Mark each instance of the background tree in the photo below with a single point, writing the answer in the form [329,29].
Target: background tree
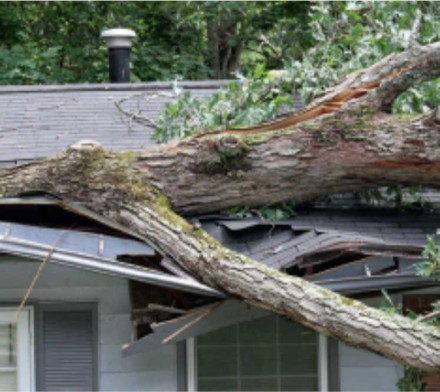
[58,42]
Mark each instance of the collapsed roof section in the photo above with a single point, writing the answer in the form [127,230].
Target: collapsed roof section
[349,250]
[357,253]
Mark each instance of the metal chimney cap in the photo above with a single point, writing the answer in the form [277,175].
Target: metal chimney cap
[118,38]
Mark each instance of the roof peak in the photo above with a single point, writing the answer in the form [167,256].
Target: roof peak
[194,85]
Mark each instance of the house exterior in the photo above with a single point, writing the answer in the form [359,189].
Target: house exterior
[108,312]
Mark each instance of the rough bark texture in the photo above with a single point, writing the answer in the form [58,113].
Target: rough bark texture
[342,142]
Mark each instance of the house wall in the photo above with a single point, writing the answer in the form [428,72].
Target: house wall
[361,370]
[155,370]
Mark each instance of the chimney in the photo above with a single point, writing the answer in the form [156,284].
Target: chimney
[119,43]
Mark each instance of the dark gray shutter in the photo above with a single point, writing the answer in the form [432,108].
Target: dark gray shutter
[68,350]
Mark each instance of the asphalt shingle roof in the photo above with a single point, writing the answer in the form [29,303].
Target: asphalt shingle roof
[39,121]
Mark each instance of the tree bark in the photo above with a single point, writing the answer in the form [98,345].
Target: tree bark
[344,141]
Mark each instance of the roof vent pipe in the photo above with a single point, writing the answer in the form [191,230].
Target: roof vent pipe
[119,43]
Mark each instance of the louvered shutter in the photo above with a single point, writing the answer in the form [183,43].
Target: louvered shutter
[68,351]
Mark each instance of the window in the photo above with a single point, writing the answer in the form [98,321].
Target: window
[16,350]
[265,354]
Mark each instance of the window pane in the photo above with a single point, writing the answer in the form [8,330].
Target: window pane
[8,357]
[8,380]
[266,354]
[217,362]
[299,383]
[258,332]
[293,333]
[218,384]
[298,360]
[259,384]
[223,337]
[258,361]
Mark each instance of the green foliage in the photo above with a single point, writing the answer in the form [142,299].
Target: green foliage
[431,264]
[400,197]
[341,37]
[244,102]
[273,213]
[412,380]
[58,42]
[172,38]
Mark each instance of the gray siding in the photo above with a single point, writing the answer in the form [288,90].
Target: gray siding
[361,370]
[155,370]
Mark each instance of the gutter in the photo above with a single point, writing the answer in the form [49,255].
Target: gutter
[92,263]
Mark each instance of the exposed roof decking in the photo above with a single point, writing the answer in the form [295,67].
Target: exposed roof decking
[319,231]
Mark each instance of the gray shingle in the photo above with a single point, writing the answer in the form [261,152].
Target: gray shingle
[367,230]
[40,121]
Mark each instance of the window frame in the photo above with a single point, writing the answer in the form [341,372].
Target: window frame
[323,364]
[25,345]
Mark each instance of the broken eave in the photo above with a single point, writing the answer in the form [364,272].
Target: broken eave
[92,252]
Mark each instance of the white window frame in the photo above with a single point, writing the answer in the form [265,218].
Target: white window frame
[191,365]
[24,346]
[323,381]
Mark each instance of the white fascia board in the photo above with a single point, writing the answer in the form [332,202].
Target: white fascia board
[39,251]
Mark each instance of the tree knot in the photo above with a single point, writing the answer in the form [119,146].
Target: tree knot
[230,146]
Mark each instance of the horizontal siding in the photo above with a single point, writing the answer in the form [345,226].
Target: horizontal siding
[362,370]
[151,381]
[154,360]
[369,379]
[147,371]
[352,357]
[18,273]
[117,327]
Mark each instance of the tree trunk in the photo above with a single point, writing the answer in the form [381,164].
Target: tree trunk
[343,141]
[225,56]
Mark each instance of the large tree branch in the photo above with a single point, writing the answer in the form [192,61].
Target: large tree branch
[108,184]
[343,143]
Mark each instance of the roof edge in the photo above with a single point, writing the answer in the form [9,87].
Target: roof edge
[195,85]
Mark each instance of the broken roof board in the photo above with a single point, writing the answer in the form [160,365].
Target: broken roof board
[73,208]
[365,229]
[228,313]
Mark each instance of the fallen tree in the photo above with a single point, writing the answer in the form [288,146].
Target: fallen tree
[344,141]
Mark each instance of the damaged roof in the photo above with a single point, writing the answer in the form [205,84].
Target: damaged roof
[379,246]
[353,251]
